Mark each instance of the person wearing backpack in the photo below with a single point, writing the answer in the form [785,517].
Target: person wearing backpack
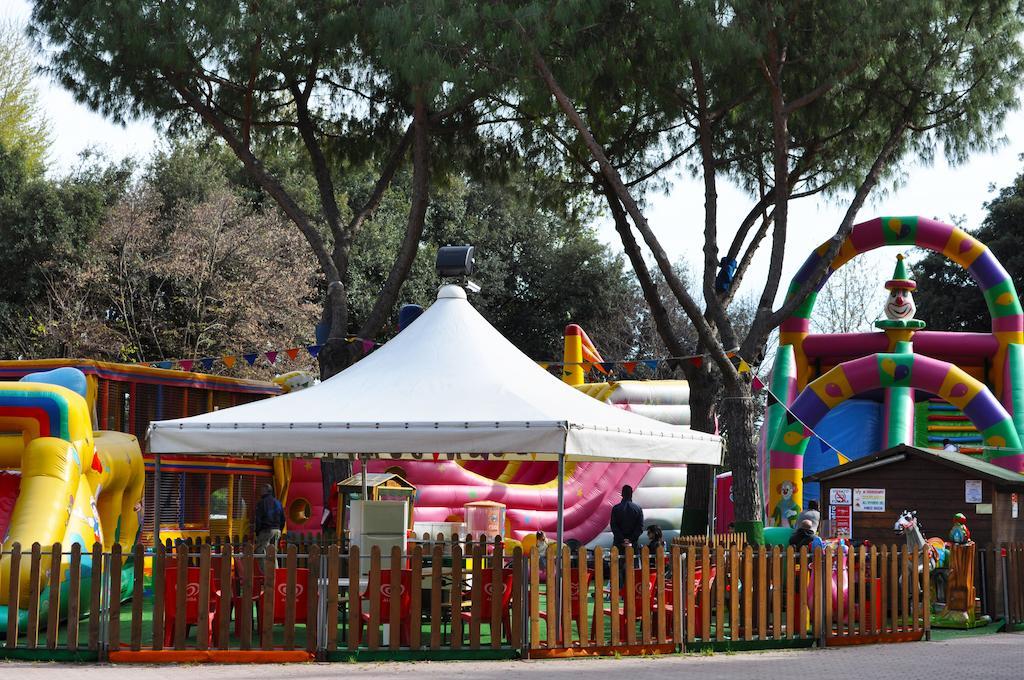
[269,520]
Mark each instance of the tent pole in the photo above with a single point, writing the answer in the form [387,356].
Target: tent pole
[362,474]
[561,501]
[712,503]
[156,500]
[559,538]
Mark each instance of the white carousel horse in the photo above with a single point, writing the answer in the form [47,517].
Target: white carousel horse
[934,548]
[908,525]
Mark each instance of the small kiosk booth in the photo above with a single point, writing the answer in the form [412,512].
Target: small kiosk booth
[381,486]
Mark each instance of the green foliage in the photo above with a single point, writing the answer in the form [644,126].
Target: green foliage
[183,267]
[44,224]
[947,297]
[539,269]
[23,124]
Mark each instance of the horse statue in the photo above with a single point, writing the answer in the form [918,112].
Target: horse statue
[909,526]
[934,548]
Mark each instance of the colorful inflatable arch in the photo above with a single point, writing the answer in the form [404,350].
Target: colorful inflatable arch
[927,383]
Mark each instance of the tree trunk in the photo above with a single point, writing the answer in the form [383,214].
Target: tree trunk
[703,396]
[409,246]
[739,417]
[335,356]
[337,353]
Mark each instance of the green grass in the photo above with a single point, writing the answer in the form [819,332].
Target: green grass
[956,633]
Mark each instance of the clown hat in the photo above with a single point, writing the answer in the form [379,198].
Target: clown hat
[900,277]
[960,517]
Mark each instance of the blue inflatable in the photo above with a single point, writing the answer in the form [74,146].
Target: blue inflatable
[854,428]
[68,377]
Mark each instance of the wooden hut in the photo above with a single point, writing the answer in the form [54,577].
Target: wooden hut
[867,495]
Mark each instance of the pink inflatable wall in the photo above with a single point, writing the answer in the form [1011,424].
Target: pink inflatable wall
[531,497]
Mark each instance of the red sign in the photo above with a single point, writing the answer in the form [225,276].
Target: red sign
[842,522]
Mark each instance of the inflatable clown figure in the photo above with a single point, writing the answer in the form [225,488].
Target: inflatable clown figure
[899,307]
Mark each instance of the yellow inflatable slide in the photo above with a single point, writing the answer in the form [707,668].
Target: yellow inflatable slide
[59,480]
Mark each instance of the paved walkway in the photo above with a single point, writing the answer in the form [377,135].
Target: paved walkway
[972,658]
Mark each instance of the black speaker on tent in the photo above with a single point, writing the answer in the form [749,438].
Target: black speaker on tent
[455,261]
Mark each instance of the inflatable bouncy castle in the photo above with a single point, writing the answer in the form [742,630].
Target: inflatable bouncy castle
[841,396]
[62,481]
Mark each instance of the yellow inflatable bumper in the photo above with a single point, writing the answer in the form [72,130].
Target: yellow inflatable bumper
[76,486]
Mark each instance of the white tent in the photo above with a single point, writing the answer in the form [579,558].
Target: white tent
[450,384]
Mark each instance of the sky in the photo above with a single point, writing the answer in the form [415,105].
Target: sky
[937,191]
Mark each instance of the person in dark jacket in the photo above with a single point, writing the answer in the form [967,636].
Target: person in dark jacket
[627,521]
[269,520]
[804,535]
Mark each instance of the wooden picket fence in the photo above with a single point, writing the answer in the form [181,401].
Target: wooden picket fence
[729,539]
[699,595]
[315,598]
[43,602]
[999,581]
[319,601]
[1014,580]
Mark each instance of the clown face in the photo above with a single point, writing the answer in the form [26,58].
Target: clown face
[900,305]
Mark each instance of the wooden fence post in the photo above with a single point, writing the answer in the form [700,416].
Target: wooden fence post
[74,595]
[842,576]
[373,590]
[203,631]
[14,595]
[630,596]
[53,605]
[762,592]
[35,565]
[790,601]
[615,606]
[678,595]
[138,578]
[829,591]
[645,595]
[705,594]
[818,587]
[225,557]
[721,580]
[690,592]
[455,596]
[355,602]
[291,595]
[777,587]
[495,576]
[926,594]
[114,600]
[313,598]
[416,599]
[551,582]
[333,576]
[181,594]
[265,601]
[246,572]
[436,586]
[659,574]
[748,592]
[395,602]
[159,590]
[518,580]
